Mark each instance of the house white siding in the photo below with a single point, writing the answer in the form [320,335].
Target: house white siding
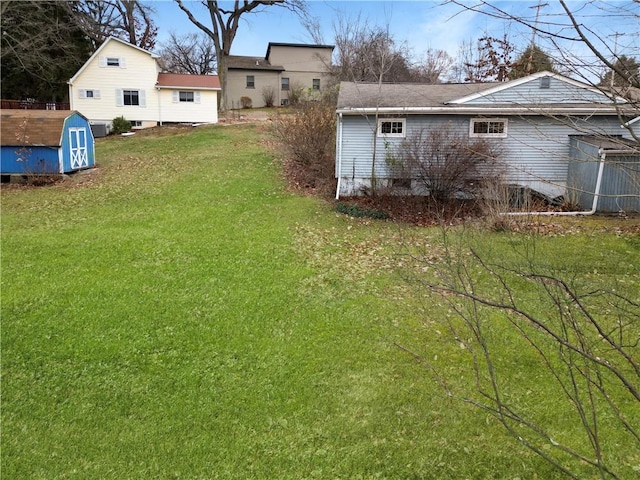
[137,71]
[203,109]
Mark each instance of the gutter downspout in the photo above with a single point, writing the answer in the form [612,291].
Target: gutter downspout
[339,169]
[596,195]
[159,106]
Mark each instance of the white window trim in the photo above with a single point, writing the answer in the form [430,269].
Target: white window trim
[142,101]
[103,62]
[473,121]
[176,96]
[403,121]
[82,93]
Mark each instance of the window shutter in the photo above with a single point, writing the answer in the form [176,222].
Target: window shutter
[176,96]
[119,97]
[82,93]
[102,61]
[123,62]
[142,98]
[96,94]
[196,97]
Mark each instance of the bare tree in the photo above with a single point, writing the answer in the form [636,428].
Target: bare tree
[225,23]
[191,53]
[486,60]
[581,336]
[129,20]
[42,47]
[432,67]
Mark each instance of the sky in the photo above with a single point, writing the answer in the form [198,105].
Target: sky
[422,24]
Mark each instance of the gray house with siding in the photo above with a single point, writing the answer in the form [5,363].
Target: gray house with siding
[532,119]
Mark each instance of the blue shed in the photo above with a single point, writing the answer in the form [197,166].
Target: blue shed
[44,142]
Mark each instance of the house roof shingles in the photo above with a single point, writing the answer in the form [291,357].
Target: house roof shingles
[238,62]
[33,127]
[404,95]
[202,82]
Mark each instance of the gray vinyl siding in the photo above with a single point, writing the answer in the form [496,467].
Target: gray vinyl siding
[620,186]
[530,93]
[535,150]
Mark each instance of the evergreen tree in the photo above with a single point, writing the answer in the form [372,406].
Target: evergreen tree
[532,60]
[629,67]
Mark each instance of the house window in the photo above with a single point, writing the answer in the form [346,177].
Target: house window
[545,82]
[488,127]
[131,97]
[136,123]
[395,127]
[251,81]
[113,62]
[95,94]
[285,83]
[187,97]
[316,84]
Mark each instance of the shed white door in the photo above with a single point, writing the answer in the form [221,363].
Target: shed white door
[78,144]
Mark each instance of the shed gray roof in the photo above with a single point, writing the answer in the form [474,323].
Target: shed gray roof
[404,95]
[615,143]
[238,62]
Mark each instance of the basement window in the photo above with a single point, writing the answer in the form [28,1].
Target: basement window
[488,127]
[388,127]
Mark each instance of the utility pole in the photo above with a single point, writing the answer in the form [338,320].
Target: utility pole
[533,36]
[615,55]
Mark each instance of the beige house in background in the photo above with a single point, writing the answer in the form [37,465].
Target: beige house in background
[284,67]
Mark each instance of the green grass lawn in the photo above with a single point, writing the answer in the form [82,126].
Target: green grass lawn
[177,313]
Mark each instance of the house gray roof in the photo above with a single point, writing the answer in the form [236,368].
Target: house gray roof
[238,62]
[404,95]
[400,98]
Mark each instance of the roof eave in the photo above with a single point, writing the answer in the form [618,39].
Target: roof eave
[458,110]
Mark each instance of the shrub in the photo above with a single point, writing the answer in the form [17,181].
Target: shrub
[360,212]
[120,125]
[268,95]
[296,95]
[245,102]
[308,139]
[446,164]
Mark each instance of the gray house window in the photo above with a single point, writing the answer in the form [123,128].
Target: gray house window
[316,84]
[285,83]
[392,127]
[488,127]
[545,82]
[251,81]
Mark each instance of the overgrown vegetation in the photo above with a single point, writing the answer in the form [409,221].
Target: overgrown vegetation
[446,164]
[307,136]
[246,102]
[269,96]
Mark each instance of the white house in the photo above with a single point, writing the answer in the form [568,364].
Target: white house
[121,79]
